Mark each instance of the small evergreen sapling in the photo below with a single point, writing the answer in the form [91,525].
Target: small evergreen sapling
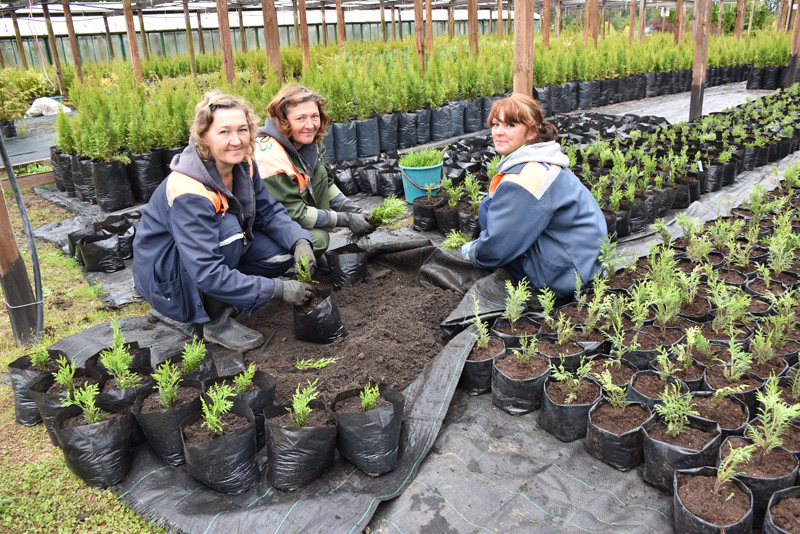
[482,335]
[167,377]
[193,354]
[726,471]
[614,394]
[300,411]
[303,272]
[391,208]
[572,382]
[675,409]
[65,374]
[309,363]
[220,403]
[85,399]
[117,359]
[516,300]
[774,418]
[528,346]
[368,397]
[40,357]
[455,239]
[243,380]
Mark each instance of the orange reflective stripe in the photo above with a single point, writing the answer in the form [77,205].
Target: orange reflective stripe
[495,182]
[180,184]
[273,159]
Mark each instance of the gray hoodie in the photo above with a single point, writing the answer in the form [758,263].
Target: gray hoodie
[549,152]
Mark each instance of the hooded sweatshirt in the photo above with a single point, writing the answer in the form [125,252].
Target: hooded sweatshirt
[298,178]
[193,233]
[540,221]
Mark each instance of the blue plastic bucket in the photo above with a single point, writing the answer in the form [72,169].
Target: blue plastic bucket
[416,179]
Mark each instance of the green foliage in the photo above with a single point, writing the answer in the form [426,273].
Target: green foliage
[453,193]
[614,394]
[300,410]
[528,346]
[482,327]
[391,208]
[726,471]
[424,158]
[220,403]
[117,359]
[40,357]
[303,272]
[85,398]
[739,365]
[12,100]
[491,169]
[321,363]
[516,300]
[572,382]
[243,380]
[368,397]
[547,300]
[193,354]
[675,409]
[167,377]
[774,417]
[65,373]
[454,240]
[660,227]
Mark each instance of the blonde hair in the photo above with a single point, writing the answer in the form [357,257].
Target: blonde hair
[204,117]
[523,109]
[290,96]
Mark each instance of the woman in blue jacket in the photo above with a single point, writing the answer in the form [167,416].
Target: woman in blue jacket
[538,219]
[212,239]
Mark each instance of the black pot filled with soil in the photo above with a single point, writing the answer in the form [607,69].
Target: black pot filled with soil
[424,212]
[613,436]
[476,378]
[700,507]
[260,394]
[348,265]
[319,320]
[517,386]
[24,374]
[564,417]
[783,512]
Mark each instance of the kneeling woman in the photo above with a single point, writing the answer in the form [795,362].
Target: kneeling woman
[538,219]
[212,239]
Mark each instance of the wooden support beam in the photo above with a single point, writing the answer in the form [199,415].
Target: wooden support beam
[225,45]
[603,21]
[340,29]
[679,21]
[702,8]
[499,18]
[559,18]
[738,25]
[594,24]
[304,34]
[794,50]
[523,47]
[779,15]
[394,25]
[51,36]
[200,37]
[472,26]
[789,18]
[296,24]
[642,18]
[383,23]
[419,32]
[189,39]
[719,17]
[271,38]
[242,36]
[109,42]
[132,44]
[400,23]
[632,22]
[451,20]
[587,5]
[145,48]
[325,25]
[429,25]
[546,23]
[18,37]
[752,11]
[490,19]
[73,39]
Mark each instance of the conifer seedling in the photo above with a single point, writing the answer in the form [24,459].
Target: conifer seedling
[193,354]
[726,471]
[455,239]
[309,363]
[368,397]
[482,335]
[243,380]
[85,399]
[391,208]
[572,382]
[300,411]
[516,301]
[614,394]
[167,377]
[117,360]
[774,417]
[220,403]
[675,409]
[40,357]
[65,374]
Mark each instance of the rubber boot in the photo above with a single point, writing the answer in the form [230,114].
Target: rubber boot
[225,330]
[190,329]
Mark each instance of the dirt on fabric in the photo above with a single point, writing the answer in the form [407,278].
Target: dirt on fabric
[393,332]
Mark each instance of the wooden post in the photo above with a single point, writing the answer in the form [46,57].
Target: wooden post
[679,21]
[324,25]
[523,47]
[719,17]
[789,19]
[632,22]
[603,21]
[145,48]
[383,23]
[271,38]
[594,22]
[400,23]
[419,32]
[499,18]
[546,23]
[134,46]
[73,39]
[19,40]
[51,36]
[794,50]
[200,36]
[738,26]
[587,5]
[340,30]
[779,14]
[241,30]
[189,38]
[490,19]
[752,11]
[451,21]
[296,24]
[429,25]
[558,18]
[394,24]
[642,18]
[108,37]
[304,34]
[699,68]
[472,26]
[225,45]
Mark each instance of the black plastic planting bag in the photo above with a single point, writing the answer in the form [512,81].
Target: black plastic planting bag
[638,219]
[469,224]
[387,132]
[163,428]
[476,377]
[456,118]
[124,229]
[440,123]
[555,99]
[348,265]
[777,497]
[321,325]
[514,396]
[446,218]
[261,397]
[367,180]
[569,96]
[370,439]
[50,404]
[652,84]
[486,106]
[714,178]
[55,162]
[111,185]
[100,453]
[472,116]
[567,422]
[66,173]
[76,237]
[330,146]
[424,214]
[25,410]
[81,192]
[620,451]
[584,94]
[367,137]
[297,455]
[345,140]
[686,521]
[85,165]
[345,181]
[423,126]
[754,78]
[771,78]
[390,183]
[100,253]
[145,174]
[166,158]
[544,100]
[227,463]
[406,130]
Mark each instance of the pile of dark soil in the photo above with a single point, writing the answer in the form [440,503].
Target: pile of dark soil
[393,332]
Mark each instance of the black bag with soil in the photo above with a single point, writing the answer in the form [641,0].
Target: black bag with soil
[370,440]
[638,219]
[124,229]
[367,180]
[146,173]
[322,324]
[714,177]
[424,213]
[476,377]
[111,185]
[55,162]
[423,126]
[368,138]
[261,396]
[472,116]
[486,106]
[688,522]
[330,146]
[22,377]
[297,455]
[469,223]
[620,451]
[345,181]
[544,100]
[569,97]
[166,158]
[514,396]
[769,521]
[567,422]
[100,453]
[66,173]
[623,223]
[348,265]
[85,165]
[345,140]
[771,78]
[440,123]
[456,118]
[585,94]
[100,252]
[50,404]
[446,218]
[387,132]
[406,130]
[652,84]
[555,99]
[78,181]
[754,78]
[390,183]
[682,195]
[75,237]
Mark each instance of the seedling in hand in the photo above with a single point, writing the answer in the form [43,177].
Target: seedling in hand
[454,240]
[303,271]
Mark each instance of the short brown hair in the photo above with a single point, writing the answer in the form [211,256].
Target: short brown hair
[290,96]
[204,117]
[523,109]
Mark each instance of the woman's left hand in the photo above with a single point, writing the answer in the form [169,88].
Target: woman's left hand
[304,247]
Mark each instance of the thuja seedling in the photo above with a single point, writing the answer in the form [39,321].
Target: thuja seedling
[727,466]
[614,394]
[303,271]
[65,374]
[167,377]
[193,354]
[390,209]
[572,382]
[482,335]
[321,363]
[528,346]
[455,239]
[300,411]
[243,380]
[547,300]
[516,300]
[85,399]
[675,409]
[368,397]
[774,418]
[117,359]
[220,403]
[40,357]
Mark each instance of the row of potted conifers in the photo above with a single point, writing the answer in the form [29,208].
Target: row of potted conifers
[100,452]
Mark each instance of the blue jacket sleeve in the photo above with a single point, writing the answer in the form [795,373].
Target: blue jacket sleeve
[514,221]
[273,219]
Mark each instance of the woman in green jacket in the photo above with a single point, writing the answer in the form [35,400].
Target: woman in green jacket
[289,153]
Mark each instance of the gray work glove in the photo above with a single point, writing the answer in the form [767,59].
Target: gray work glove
[304,247]
[348,206]
[355,222]
[293,292]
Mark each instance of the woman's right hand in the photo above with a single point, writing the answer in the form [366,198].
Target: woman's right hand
[356,223]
